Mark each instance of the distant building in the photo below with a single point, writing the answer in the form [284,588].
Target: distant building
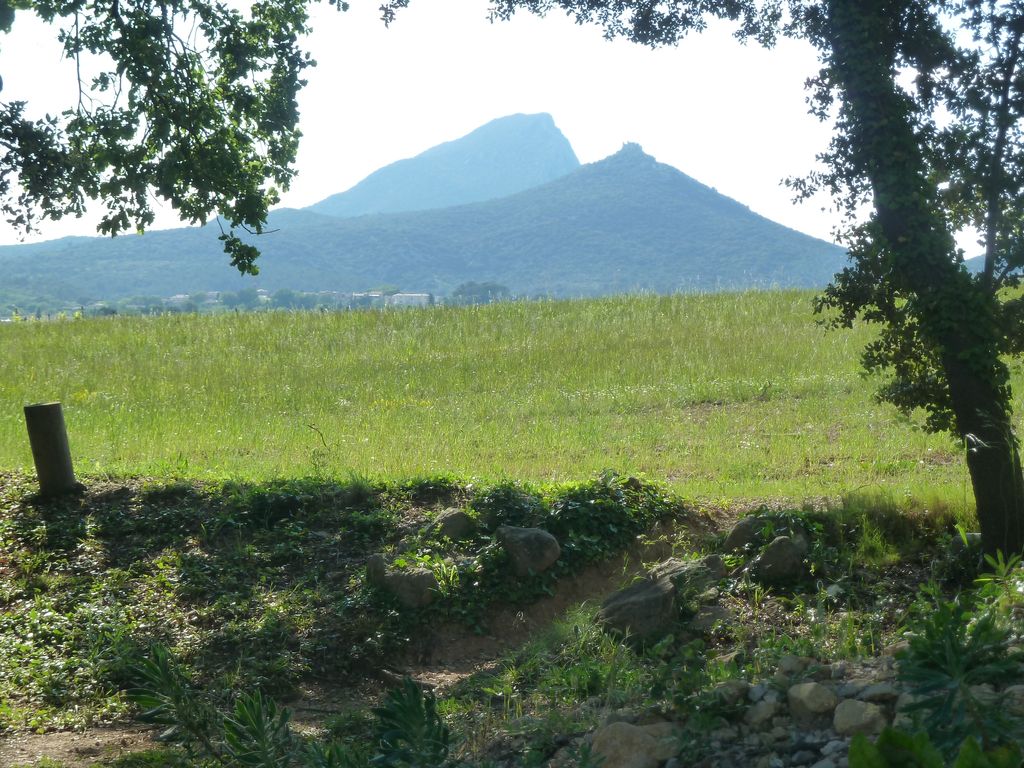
[409,300]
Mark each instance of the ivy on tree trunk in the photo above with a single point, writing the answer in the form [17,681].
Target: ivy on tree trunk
[954,313]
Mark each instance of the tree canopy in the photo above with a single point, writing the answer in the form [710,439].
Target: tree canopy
[191,101]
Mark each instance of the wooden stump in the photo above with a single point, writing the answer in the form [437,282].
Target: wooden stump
[50,451]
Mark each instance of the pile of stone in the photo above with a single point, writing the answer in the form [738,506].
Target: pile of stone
[805,715]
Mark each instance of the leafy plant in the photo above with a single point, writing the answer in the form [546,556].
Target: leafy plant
[410,731]
[1001,583]
[333,755]
[508,504]
[257,734]
[167,698]
[896,749]
[951,651]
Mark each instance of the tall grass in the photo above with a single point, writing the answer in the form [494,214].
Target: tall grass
[737,394]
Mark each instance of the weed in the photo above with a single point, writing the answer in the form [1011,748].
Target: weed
[953,652]
[508,504]
[411,734]
[895,749]
[255,733]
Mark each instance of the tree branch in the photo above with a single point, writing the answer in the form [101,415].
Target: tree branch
[993,213]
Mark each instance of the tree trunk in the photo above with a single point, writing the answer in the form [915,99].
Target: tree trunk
[955,312]
[993,460]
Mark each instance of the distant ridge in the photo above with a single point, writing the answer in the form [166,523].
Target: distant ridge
[626,223]
[504,156]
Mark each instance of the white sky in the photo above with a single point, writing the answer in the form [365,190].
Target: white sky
[732,116]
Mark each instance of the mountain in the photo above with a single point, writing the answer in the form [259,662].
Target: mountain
[505,156]
[622,224]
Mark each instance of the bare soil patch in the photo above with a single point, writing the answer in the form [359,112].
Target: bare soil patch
[76,749]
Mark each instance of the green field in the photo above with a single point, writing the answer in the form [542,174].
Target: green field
[725,395]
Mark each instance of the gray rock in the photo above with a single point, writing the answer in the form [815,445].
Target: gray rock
[376,570]
[642,610]
[854,716]
[757,692]
[690,576]
[819,672]
[984,693]
[825,762]
[648,608]
[896,648]
[956,546]
[622,715]
[455,524]
[905,718]
[667,737]
[852,688]
[879,692]
[621,745]
[793,665]
[746,531]
[802,541]
[729,734]
[760,713]
[1013,697]
[781,562]
[731,692]
[414,587]
[808,701]
[531,550]
[834,747]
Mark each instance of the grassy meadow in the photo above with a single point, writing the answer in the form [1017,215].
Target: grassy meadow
[723,395]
